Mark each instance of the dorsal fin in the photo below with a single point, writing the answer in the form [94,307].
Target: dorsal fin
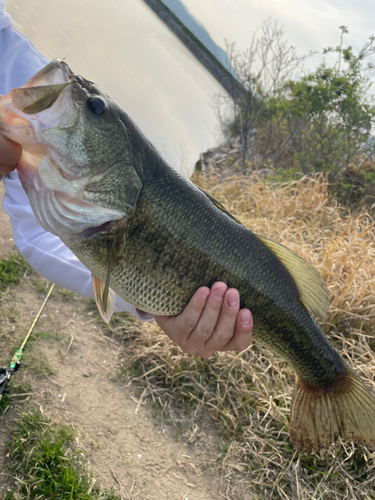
[311,287]
[312,290]
[220,206]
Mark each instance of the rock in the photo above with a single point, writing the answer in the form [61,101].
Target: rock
[234,151]
[211,166]
[219,156]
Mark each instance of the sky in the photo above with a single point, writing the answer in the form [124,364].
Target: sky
[308,25]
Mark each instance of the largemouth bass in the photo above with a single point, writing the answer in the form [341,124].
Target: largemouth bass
[151,236]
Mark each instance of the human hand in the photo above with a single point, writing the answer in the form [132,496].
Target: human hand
[210,322]
[10,154]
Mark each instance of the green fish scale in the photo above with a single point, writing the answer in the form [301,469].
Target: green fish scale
[178,241]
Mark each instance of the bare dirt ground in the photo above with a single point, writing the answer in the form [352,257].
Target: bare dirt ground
[127,447]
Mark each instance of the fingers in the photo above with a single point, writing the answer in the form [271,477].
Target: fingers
[178,328]
[207,322]
[226,322]
[10,154]
[243,332]
[211,322]
[233,330]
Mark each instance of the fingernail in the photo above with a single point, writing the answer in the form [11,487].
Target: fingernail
[219,293]
[233,299]
[245,317]
[205,294]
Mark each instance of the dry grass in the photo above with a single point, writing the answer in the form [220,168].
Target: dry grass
[249,394]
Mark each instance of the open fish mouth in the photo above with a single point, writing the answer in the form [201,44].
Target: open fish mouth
[34,115]
[44,102]
[43,89]
[54,73]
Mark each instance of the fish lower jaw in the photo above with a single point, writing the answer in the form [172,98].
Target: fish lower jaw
[91,232]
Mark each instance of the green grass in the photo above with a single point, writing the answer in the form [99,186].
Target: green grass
[65,294]
[41,284]
[34,359]
[49,336]
[12,269]
[37,362]
[15,391]
[46,464]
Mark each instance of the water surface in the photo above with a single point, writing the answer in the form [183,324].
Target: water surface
[124,47]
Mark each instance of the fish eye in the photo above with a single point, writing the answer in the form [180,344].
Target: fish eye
[96,105]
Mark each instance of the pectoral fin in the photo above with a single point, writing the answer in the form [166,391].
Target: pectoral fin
[312,290]
[105,298]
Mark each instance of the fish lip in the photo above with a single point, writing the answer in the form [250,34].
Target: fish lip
[55,72]
[33,100]
[43,89]
[109,229]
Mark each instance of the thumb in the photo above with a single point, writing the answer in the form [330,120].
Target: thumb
[162,320]
[11,153]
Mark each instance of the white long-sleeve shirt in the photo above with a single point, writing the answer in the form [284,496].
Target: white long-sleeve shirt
[19,60]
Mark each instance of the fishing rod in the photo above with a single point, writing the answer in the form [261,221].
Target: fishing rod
[7,372]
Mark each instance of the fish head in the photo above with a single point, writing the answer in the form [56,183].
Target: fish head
[80,168]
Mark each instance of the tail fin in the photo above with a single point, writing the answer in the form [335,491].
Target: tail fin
[319,417]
